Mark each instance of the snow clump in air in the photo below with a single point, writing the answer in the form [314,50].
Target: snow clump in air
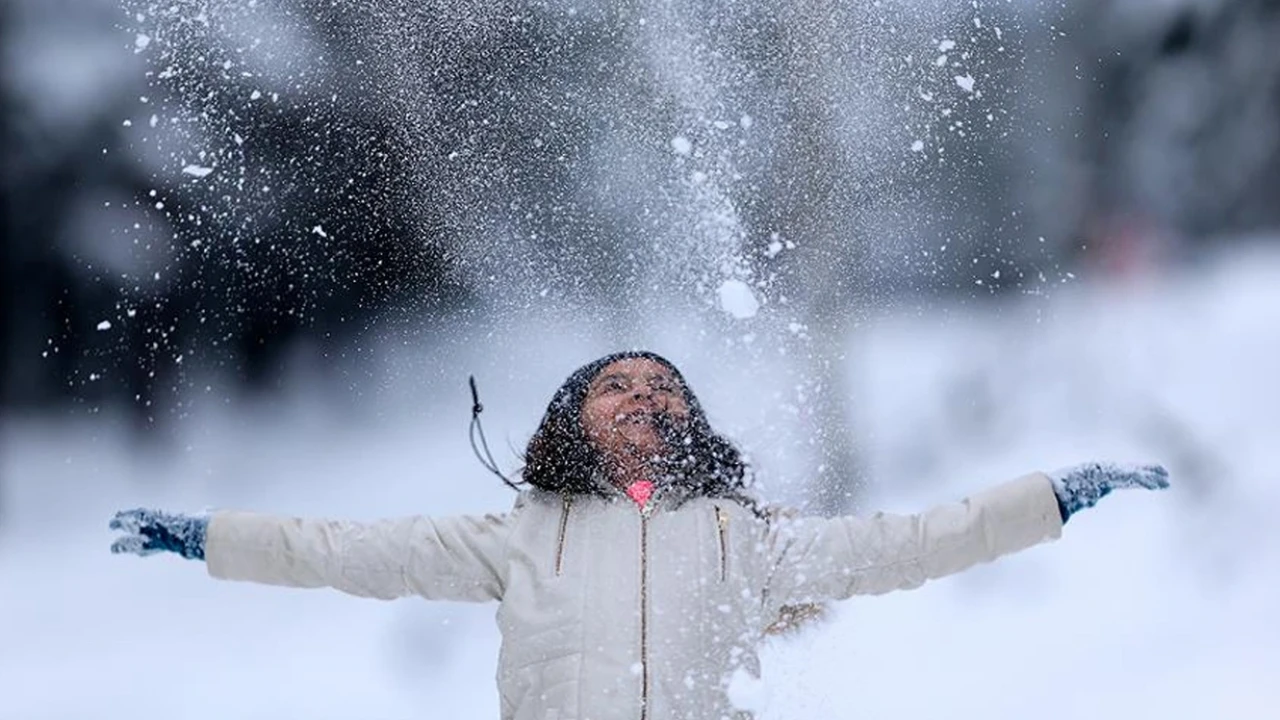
[737,299]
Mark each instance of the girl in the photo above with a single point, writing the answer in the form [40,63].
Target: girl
[636,574]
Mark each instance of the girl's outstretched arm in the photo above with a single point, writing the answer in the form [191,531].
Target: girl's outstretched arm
[816,559]
[454,558]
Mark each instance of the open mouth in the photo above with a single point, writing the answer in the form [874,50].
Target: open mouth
[635,417]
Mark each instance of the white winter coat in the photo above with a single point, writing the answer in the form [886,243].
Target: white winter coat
[610,614]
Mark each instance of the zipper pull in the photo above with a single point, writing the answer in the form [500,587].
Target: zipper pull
[722,526]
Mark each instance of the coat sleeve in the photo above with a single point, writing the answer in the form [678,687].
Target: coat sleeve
[817,559]
[454,558]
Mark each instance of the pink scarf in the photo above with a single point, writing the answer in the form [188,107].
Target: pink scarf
[640,491]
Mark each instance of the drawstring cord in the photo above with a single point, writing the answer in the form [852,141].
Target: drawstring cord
[477,429]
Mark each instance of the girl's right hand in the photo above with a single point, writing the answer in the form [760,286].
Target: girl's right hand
[152,531]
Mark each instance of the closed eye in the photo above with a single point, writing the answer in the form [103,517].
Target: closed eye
[662,386]
[612,383]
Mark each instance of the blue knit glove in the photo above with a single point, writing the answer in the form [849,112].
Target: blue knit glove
[1082,486]
[152,531]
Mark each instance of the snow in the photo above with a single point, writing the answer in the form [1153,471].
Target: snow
[1151,605]
[748,693]
[737,299]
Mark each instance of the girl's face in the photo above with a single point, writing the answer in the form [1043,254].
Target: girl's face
[624,400]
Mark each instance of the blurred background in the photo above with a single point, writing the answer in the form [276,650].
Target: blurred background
[253,249]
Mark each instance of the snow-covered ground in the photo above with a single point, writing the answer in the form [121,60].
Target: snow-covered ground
[1160,605]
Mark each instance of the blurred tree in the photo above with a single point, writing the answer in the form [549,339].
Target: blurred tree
[212,236]
[1176,130]
[890,173]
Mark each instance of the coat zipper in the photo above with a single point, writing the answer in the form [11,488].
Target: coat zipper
[722,528]
[564,526]
[644,613]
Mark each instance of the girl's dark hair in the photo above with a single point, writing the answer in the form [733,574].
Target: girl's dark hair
[561,459]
